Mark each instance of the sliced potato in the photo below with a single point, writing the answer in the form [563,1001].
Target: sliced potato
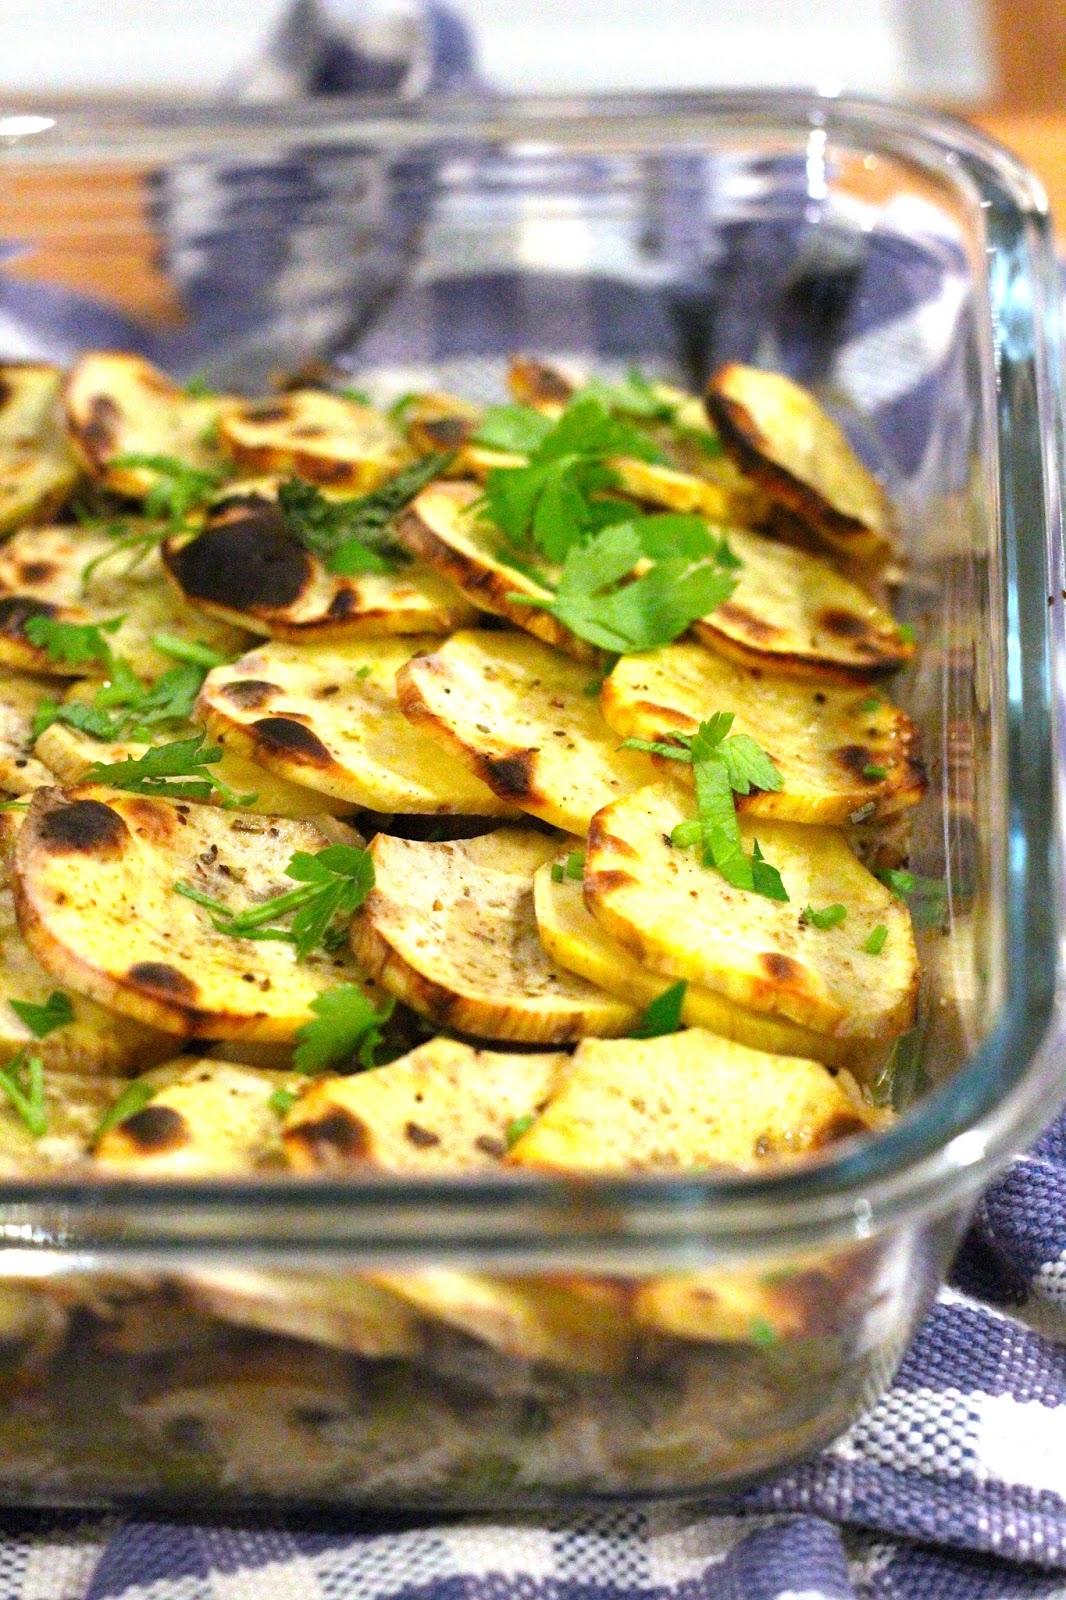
[246,568]
[450,929]
[74,1103]
[444,1107]
[524,720]
[41,576]
[689,1100]
[839,751]
[792,613]
[96,1041]
[69,754]
[119,405]
[684,919]
[575,940]
[440,422]
[781,437]
[728,1305]
[320,436]
[37,470]
[440,529]
[205,1118]
[94,874]
[532,1319]
[20,696]
[327,717]
[338,1310]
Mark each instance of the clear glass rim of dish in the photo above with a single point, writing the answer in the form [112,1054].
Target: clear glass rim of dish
[945,1149]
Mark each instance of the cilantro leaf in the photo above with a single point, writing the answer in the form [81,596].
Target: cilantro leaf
[90,719]
[719,827]
[282,1101]
[517,429]
[876,942]
[517,1128]
[174,771]
[134,1097]
[830,917]
[633,396]
[332,885]
[178,488]
[663,1015]
[22,1080]
[345,1024]
[73,643]
[352,535]
[749,766]
[766,879]
[56,1012]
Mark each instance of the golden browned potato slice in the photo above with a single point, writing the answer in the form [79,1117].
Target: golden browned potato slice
[247,568]
[792,613]
[327,717]
[449,928]
[69,754]
[205,1118]
[724,1305]
[37,470]
[682,918]
[20,696]
[778,434]
[96,1041]
[440,422]
[444,1107]
[524,719]
[338,1310]
[689,1100]
[94,889]
[840,752]
[74,1103]
[441,530]
[41,576]
[119,405]
[575,940]
[533,1319]
[323,437]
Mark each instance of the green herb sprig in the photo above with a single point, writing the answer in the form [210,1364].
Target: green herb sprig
[22,1080]
[332,885]
[829,917]
[663,1015]
[353,535]
[175,771]
[346,1026]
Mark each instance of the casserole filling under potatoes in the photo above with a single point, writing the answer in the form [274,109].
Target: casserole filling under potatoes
[533,836]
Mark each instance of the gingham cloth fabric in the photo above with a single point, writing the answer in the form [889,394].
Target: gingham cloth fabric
[954,1486]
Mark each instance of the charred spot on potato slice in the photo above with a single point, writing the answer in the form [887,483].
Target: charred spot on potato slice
[334,1139]
[155,1128]
[163,979]
[251,694]
[247,563]
[86,826]
[287,737]
[17,609]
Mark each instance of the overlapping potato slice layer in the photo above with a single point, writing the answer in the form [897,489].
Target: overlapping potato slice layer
[247,568]
[525,720]
[685,1101]
[42,575]
[325,438]
[327,718]
[444,1107]
[449,928]
[575,940]
[784,440]
[795,614]
[20,696]
[37,470]
[682,918]
[94,876]
[839,751]
[120,405]
[334,1309]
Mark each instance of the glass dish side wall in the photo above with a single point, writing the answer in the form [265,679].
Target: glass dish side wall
[190,1373]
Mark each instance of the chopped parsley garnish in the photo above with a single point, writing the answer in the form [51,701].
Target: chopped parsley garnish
[927,896]
[761,1333]
[906,632]
[872,771]
[663,1015]
[193,651]
[22,1080]
[721,766]
[73,644]
[871,705]
[353,535]
[517,1128]
[573,867]
[174,771]
[517,429]
[346,1025]
[178,488]
[633,396]
[56,1012]
[134,1097]
[830,917]
[125,707]
[876,942]
[199,388]
[332,885]
[901,883]
[282,1101]
[359,396]
[600,600]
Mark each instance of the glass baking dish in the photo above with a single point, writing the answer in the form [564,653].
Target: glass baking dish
[221,1342]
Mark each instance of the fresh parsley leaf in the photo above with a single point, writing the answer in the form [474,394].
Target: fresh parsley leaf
[719,827]
[90,719]
[22,1080]
[766,879]
[876,942]
[178,488]
[869,706]
[193,651]
[73,643]
[575,864]
[558,873]
[872,771]
[706,442]
[927,896]
[282,1101]
[830,917]
[686,834]
[174,771]
[749,766]
[134,1097]
[517,429]
[901,883]
[56,1012]
[663,1015]
[761,1333]
[518,1127]
[633,396]
[332,885]
[906,632]
[345,1025]
[353,535]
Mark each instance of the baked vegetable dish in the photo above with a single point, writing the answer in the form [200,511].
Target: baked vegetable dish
[428,789]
